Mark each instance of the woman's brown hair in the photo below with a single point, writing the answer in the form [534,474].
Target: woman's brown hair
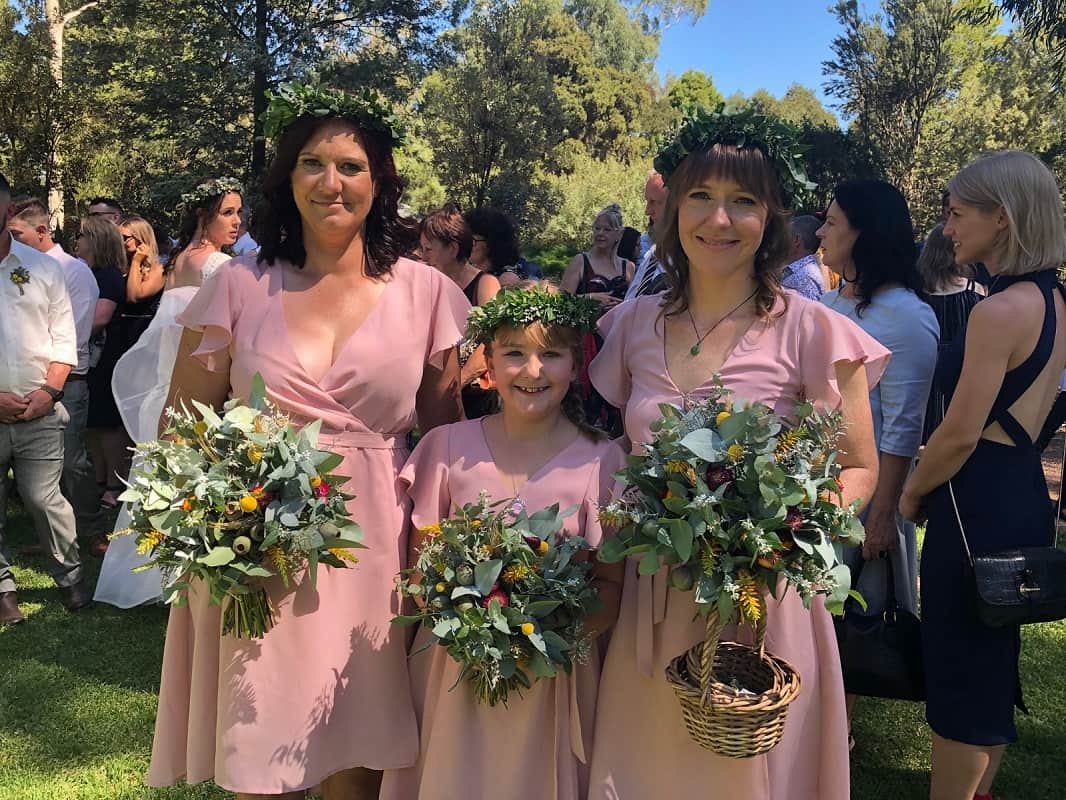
[106,250]
[749,168]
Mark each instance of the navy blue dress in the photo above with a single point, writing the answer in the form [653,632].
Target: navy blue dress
[972,670]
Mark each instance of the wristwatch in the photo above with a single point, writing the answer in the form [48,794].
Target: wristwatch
[56,394]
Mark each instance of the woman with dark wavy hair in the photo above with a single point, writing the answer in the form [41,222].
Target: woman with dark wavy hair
[495,245]
[723,240]
[345,330]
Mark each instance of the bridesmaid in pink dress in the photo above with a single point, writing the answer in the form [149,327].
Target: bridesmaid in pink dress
[538,745]
[344,330]
[725,238]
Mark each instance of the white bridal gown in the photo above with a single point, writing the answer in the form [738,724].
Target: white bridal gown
[141,383]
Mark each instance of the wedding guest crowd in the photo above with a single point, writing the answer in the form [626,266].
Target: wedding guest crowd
[730,286]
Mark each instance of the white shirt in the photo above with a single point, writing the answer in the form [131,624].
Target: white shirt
[37,324]
[84,293]
[245,244]
[650,263]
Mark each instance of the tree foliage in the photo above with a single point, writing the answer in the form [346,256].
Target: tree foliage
[888,70]
[693,88]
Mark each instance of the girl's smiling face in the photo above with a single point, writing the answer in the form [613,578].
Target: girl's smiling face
[532,375]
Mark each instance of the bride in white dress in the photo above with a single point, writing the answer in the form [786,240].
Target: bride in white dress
[210,221]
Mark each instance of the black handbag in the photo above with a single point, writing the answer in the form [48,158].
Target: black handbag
[1016,587]
[881,654]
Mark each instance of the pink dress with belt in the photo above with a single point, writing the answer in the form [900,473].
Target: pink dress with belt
[327,688]
[537,746]
[641,747]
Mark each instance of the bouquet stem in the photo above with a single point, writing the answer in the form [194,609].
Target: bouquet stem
[247,616]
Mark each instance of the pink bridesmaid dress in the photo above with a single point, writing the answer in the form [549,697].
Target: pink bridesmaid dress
[538,745]
[327,688]
[641,747]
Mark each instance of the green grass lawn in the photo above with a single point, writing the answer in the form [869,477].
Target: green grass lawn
[78,693]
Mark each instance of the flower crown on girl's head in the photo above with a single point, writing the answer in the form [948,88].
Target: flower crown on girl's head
[209,189]
[519,307]
[365,108]
[701,128]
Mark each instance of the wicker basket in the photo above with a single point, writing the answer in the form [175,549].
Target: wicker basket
[721,718]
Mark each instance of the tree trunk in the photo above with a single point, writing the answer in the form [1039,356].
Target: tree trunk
[259,90]
[57,25]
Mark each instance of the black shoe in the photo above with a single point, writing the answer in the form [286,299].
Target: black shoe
[9,609]
[75,597]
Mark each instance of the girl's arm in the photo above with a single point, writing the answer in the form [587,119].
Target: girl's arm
[858,456]
[144,281]
[191,380]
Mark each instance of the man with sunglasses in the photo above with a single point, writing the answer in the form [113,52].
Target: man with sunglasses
[106,207]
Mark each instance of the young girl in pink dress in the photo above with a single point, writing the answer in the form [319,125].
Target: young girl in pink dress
[538,451]
[723,242]
[343,330]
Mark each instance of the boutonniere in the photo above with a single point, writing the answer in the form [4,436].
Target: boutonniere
[20,277]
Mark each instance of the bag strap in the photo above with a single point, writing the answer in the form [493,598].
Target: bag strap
[962,531]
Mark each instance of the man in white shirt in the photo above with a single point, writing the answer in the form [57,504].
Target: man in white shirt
[803,273]
[39,343]
[649,277]
[30,224]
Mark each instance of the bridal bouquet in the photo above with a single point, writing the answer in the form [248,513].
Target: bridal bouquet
[505,593]
[735,499]
[235,499]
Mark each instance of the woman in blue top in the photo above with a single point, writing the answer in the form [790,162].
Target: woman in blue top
[868,240]
[1006,211]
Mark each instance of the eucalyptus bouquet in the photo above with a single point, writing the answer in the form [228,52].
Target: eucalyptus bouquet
[506,593]
[735,498]
[235,499]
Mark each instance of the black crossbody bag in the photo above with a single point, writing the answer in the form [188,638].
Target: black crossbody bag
[1016,587]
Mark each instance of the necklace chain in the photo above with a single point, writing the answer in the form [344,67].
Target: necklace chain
[695,349]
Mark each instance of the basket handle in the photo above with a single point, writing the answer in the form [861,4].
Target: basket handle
[713,635]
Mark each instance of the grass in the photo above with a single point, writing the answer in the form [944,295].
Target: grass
[78,696]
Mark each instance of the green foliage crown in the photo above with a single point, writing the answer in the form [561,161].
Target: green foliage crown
[517,308]
[207,189]
[700,129]
[366,108]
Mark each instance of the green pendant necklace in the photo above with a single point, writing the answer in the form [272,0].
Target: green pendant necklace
[695,349]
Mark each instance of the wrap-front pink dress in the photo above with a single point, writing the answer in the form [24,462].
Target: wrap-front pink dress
[327,688]
[537,746]
[641,748]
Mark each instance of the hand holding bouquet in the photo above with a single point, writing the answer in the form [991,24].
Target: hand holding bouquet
[735,499]
[505,593]
[234,499]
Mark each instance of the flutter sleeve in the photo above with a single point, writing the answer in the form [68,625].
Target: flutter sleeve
[828,338]
[447,318]
[609,370]
[612,457]
[425,478]
[213,311]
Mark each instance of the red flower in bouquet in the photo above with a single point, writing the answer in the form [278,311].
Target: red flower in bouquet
[717,475]
[322,490]
[497,593]
[794,519]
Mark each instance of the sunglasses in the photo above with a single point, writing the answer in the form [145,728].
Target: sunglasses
[127,236]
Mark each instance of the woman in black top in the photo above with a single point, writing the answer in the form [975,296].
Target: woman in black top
[494,246]
[446,245]
[99,245]
[951,292]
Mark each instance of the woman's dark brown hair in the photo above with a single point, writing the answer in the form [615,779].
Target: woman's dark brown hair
[447,226]
[749,168]
[279,230]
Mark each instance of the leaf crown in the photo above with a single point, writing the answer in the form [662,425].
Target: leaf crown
[701,128]
[517,308]
[208,189]
[366,108]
